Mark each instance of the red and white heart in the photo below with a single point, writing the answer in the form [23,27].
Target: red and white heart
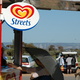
[22,11]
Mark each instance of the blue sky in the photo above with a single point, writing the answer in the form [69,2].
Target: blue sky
[55,26]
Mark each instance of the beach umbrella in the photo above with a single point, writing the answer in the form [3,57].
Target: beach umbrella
[48,61]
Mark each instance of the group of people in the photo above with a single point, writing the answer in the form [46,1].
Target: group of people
[67,62]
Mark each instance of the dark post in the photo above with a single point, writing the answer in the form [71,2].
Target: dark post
[17,47]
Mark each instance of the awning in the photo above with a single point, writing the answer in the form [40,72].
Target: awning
[72,5]
[48,61]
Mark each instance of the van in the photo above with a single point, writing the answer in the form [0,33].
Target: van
[65,54]
[27,61]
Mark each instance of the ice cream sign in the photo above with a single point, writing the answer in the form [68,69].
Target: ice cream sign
[21,16]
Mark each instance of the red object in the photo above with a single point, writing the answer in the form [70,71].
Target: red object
[10,76]
[0,8]
[25,63]
[0,38]
[62,68]
[76,64]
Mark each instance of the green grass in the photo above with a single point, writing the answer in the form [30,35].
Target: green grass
[79,59]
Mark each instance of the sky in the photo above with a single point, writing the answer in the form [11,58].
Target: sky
[54,26]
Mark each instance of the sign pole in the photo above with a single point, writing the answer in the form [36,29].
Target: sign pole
[0,36]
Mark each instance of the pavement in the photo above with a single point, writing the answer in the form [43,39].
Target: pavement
[66,76]
[26,76]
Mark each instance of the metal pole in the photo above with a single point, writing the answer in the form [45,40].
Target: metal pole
[18,49]
[0,35]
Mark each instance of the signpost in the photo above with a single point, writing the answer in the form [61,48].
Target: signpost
[39,4]
[23,16]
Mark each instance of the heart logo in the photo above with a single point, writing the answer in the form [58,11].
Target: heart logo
[22,11]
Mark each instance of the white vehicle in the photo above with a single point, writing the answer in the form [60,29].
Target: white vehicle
[27,61]
[65,54]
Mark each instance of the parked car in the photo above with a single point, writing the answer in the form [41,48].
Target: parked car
[65,54]
[27,61]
